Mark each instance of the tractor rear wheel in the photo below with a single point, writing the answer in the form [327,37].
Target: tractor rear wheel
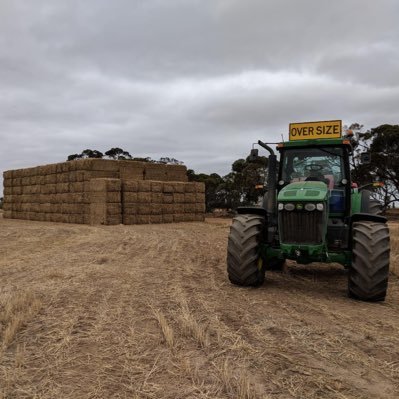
[244,264]
[368,274]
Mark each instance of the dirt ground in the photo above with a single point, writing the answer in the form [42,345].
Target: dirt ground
[148,312]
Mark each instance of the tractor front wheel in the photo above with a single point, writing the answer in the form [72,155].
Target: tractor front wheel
[368,274]
[244,264]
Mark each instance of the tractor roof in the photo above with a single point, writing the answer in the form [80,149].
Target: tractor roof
[314,143]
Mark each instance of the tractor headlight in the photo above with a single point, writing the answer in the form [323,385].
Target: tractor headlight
[289,207]
[280,206]
[320,207]
[310,207]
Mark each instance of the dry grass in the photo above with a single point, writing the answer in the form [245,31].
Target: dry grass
[147,312]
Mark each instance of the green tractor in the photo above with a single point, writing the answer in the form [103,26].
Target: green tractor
[312,213]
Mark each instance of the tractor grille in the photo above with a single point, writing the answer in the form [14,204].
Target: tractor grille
[301,227]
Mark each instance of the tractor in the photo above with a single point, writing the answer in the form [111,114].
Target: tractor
[312,212]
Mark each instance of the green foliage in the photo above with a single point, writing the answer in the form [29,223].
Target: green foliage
[382,143]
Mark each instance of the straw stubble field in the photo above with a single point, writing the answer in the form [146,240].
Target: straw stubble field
[146,311]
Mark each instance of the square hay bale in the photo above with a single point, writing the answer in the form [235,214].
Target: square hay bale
[167,209]
[104,185]
[130,209]
[97,174]
[72,165]
[155,171]
[200,197]
[168,188]
[178,187]
[7,183]
[7,207]
[144,209]
[176,173]
[144,186]
[143,219]
[178,208]
[167,198]
[189,188]
[178,198]
[25,181]
[97,213]
[72,178]
[129,197]
[76,187]
[156,209]
[80,175]
[190,208]
[200,207]
[131,170]
[156,219]
[199,187]
[167,218]
[50,179]
[177,217]
[190,217]
[130,186]
[190,198]
[113,209]
[16,182]
[58,168]
[143,198]
[65,167]
[62,188]
[8,174]
[156,186]
[109,165]
[7,214]
[157,198]
[7,190]
[107,196]
[129,219]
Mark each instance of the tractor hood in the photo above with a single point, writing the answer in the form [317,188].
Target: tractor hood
[304,191]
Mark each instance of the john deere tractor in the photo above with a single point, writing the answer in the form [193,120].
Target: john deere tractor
[312,212]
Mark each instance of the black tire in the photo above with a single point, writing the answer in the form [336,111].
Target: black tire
[244,265]
[368,274]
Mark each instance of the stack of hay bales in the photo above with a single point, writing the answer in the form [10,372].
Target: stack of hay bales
[162,202]
[89,191]
[105,201]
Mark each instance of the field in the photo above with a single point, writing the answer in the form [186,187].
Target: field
[146,311]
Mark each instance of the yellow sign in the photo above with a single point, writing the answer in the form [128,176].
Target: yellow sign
[316,130]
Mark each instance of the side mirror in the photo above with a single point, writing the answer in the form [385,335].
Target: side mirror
[254,155]
[365,158]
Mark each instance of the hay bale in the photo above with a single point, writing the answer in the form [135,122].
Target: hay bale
[190,208]
[176,173]
[154,171]
[156,186]
[177,218]
[130,185]
[178,187]
[132,170]
[178,198]
[113,209]
[200,207]
[7,183]
[167,198]
[156,219]
[178,208]
[49,179]
[97,174]
[144,186]
[7,215]
[200,197]
[105,196]
[156,209]
[168,188]
[104,185]
[157,198]
[62,188]
[144,198]
[143,219]
[130,209]
[7,190]
[129,197]
[129,219]
[167,218]
[8,174]
[190,217]
[97,213]
[167,209]
[144,209]
[190,198]
[199,187]
[76,187]
[189,188]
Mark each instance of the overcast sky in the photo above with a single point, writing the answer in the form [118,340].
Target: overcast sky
[198,80]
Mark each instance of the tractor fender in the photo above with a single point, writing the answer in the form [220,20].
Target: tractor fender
[367,216]
[252,210]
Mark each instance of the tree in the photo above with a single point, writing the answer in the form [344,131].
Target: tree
[382,143]
[118,153]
